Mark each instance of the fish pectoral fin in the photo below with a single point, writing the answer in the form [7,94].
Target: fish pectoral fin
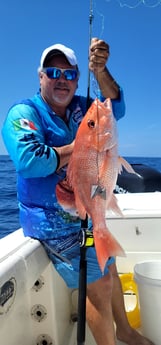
[98,190]
[113,205]
[123,163]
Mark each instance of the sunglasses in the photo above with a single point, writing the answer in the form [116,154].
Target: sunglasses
[55,73]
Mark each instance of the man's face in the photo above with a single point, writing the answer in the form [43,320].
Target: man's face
[58,92]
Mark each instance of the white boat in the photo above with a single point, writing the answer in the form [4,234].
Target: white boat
[36,307]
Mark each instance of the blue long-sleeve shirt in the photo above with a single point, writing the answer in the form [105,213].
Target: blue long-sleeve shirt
[30,131]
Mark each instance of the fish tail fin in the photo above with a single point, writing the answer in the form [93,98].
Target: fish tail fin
[106,245]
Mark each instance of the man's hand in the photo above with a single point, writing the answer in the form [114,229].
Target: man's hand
[64,153]
[98,55]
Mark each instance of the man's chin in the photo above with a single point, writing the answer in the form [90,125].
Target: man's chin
[62,98]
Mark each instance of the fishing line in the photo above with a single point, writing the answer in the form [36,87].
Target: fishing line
[101,18]
[91,17]
[95,86]
[90,37]
[136,3]
[130,4]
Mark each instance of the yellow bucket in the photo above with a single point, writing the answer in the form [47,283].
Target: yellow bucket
[129,288]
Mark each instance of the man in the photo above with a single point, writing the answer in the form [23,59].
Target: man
[39,134]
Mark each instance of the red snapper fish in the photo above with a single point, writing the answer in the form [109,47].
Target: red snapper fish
[92,174]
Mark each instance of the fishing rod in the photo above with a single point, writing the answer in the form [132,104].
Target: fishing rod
[86,239]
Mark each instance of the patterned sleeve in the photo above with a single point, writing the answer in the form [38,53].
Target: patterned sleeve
[24,139]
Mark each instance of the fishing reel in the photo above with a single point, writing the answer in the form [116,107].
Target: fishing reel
[86,238]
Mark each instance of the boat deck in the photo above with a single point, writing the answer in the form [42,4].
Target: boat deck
[36,305]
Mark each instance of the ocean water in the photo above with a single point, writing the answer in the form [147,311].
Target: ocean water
[9,215]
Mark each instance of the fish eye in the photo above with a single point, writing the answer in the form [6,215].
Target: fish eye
[91,123]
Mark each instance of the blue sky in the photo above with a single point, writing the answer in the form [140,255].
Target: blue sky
[131,27]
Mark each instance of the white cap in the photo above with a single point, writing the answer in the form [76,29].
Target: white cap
[55,49]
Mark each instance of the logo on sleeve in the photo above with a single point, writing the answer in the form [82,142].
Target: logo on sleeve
[23,123]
